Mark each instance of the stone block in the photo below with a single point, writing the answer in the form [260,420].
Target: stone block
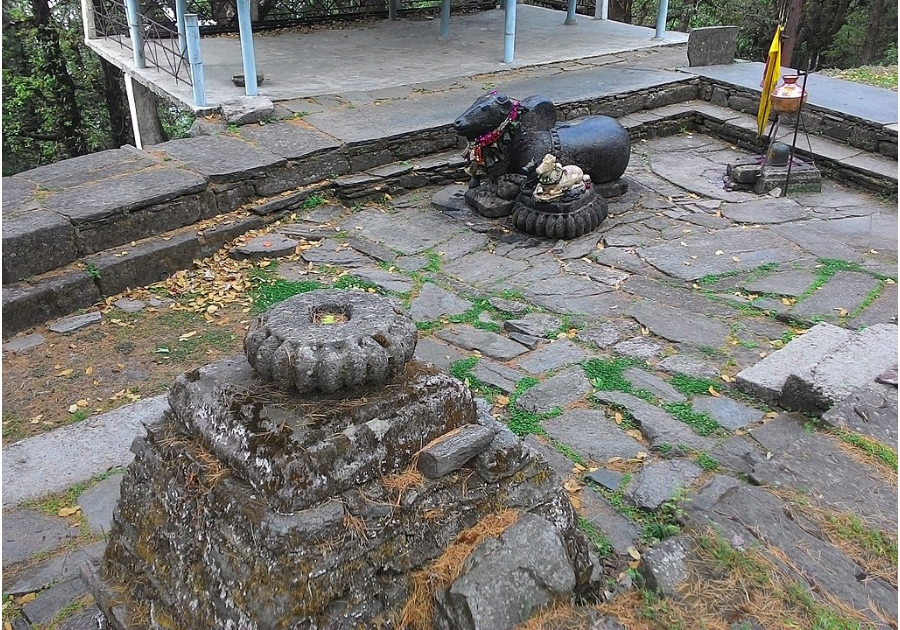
[24,345]
[35,241]
[452,450]
[247,109]
[664,566]
[558,391]
[766,379]
[29,304]
[712,45]
[98,502]
[28,532]
[434,302]
[221,159]
[658,482]
[488,343]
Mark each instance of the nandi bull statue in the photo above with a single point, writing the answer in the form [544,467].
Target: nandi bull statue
[508,140]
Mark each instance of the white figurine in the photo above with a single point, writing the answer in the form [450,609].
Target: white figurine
[556,180]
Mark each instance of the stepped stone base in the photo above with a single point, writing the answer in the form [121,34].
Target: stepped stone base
[251,508]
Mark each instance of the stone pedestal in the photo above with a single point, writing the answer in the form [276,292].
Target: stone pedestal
[560,219]
[752,174]
[254,507]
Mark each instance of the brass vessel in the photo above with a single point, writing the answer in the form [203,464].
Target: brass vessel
[787,98]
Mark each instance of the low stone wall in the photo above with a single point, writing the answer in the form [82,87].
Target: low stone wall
[856,132]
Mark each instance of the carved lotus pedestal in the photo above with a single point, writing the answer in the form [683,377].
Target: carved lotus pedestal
[250,505]
[559,219]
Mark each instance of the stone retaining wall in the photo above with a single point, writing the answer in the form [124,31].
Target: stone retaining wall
[856,132]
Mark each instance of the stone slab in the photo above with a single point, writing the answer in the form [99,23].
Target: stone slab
[451,198]
[855,363]
[433,302]
[54,569]
[842,294]
[336,253]
[679,325]
[658,426]
[766,379]
[642,348]
[98,502]
[265,246]
[484,269]
[222,159]
[814,237]
[751,247]
[513,307]
[42,610]
[488,343]
[408,230]
[558,391]
[793,283]
[534,324]
[372,249]
[35,241]
[765,210]
[71,324]
[497,375]
[552,356]
[29,532]
[88,169]
[658,386]
[54,461]
[291,140]
[393,282]
[127,305]
[592,435]
[682,364]
[712,45]
[870,410]
[728,412]
[601,335]
[658,482]
[882,311]
[437,353]
[24,345]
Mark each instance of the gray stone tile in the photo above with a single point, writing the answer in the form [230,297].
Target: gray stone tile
[729,413]
[488,343]
[27,532]
[559,391]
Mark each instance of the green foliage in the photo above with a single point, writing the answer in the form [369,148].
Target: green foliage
[873,449]
[523,422]
[878,543]
[92,271]
[428,327]
[690,386]
[568,451]
[462,369]
[609,374]
[269,293]
[601,543]
[313,201]
[701,423]
[878,76]
[707,463]
[354,282]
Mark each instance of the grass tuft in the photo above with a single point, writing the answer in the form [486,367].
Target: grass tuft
[701,423]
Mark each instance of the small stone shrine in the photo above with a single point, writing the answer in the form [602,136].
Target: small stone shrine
[327,481]
[509,140]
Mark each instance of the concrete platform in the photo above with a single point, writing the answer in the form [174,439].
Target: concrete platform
[388,54]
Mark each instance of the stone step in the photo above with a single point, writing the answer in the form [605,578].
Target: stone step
[821,367]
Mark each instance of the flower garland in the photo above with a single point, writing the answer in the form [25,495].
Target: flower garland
[484,152]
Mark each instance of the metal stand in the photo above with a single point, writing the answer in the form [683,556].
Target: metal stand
[805,75]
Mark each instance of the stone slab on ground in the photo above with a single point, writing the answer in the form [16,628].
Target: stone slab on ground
[855,363]
[601,335]
[817,464]
[534,324]
[842,294]
[24,344]
[438,353]
[54,461]
[793,283]
[658,386]
[642,348]
[393,282]
[558,391]
[488,343]
[332,252]
[882,311]
[658,426]
[728,412]
[497,375]
[870,410]
[265,246]
[742,249]
[755,516]
[42,610]
[222,159]
[484,268]
[552,356]
[765,210]
[433,302]
[664,566]
[29,532]
[408,231]
[71,324]
[98,502]
[766,379]
[289,141]
[58,567]
[689,366]
[676,324]
[592,435]
[658,482]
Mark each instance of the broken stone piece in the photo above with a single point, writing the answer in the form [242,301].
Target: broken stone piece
[452,450]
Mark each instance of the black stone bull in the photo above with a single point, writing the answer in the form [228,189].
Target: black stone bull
[598,144]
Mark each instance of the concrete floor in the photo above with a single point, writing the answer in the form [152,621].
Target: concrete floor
[388,54]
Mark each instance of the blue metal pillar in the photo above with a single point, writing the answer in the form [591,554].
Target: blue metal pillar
[137,35]
[247,53]
[180,10]
[509,32]
[661,15]
[570,12]
[445,18]
[198,81]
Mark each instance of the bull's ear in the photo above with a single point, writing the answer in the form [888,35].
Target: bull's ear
[502,98]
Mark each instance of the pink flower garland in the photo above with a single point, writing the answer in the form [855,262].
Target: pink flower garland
[475,151]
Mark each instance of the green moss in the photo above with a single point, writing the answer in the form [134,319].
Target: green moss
[609,374]
[428,327]
[690,386]
[707,463]
[267,294]
[871,448]
[462,369]
[353,282]
[523,422]
[700,423]
[601,543]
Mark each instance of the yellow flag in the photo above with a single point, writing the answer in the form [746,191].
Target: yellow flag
[770,78]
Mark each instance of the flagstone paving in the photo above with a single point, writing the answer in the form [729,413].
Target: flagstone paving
[619,352]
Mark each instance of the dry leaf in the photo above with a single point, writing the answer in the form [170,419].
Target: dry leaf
[735,259]
[66,372]
[89,370]
[645,331]
[82,402]
[577,468]
[572,486]
[37,418]
[613,460]
[501,401]
[561,336]
[641,455]
[575,501]
[719,252]
[619,417]
[727,378]
[28,597]
[68,511]
[842,312]
[713,392]
[73,408]
[633,552]
[187,336]
[634,433]
[785,301]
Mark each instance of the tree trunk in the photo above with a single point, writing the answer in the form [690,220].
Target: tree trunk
[870,45]
[114,94]
[52,63]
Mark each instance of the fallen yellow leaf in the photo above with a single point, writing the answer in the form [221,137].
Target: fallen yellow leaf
[501,401]
[619,417]
[27,597]
[73,408]
[66,372]
[187,336]
[68,511]
[82,402]
[634,553]
[89,370]
[713,392]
